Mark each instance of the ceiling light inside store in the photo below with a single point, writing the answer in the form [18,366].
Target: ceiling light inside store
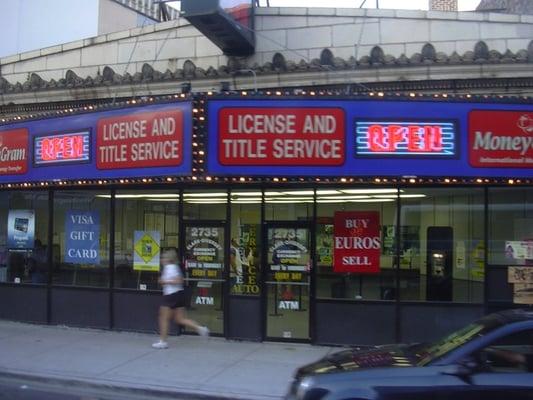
[246,193]
[368,191]
[300,193]
[215,194]
[325,192]
[371,201]
[343,197]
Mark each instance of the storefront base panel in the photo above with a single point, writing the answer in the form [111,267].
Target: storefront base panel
[136,312]
[244,322]
[498,287]
[87,308]
[359,324]
[23,303]
[427,322]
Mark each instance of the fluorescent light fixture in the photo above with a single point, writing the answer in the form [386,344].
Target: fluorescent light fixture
[234,200]
[246,193]
[291,199]
[142,196]
[207,194]
[371,201]
[273,194]
[343,197]
[369,191]
[325,192]
[300,193]
[288,201]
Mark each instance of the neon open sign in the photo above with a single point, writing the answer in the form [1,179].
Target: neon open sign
[62,148]
[406,138]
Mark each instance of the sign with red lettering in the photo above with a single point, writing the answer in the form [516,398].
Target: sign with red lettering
[152,139]
[357,242]
[500,139]
[62,148]
[14,152]
[281,136]
[406,138]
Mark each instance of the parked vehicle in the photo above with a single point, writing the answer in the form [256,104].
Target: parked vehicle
[490,359]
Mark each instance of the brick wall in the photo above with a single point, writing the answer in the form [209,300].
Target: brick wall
[443,5]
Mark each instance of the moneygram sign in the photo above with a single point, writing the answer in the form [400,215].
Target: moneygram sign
[14,152]
[501,139]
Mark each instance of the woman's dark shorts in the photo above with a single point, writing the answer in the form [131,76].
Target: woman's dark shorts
[174,300]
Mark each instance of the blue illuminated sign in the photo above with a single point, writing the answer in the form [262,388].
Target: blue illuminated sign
[380,138]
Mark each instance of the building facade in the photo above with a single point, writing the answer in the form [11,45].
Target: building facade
[303,207]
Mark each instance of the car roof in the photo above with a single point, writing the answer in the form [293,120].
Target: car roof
[508,316]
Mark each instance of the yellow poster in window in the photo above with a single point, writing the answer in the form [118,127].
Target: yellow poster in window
[146,246]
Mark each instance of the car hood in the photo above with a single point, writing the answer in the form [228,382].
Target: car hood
[361,359]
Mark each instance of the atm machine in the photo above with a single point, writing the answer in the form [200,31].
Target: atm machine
[439,263]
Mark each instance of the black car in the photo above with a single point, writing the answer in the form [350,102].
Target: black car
[490,359]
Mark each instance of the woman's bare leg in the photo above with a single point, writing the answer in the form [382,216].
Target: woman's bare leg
[164,316]
[180,317]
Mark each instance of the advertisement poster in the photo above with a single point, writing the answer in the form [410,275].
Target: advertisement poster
[146,246]
[519,250]
[20,229]
[409,241]
[357,242]
[324,244]
[82,233]
[522,280]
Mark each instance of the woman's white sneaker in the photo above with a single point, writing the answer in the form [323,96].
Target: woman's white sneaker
[203,331]
[160,345]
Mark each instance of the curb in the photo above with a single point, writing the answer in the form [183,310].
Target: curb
[117,388]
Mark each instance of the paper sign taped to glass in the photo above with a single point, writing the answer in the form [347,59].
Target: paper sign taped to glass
[21,229]
[515,250]
[146,250]
[523,293]
[520,275]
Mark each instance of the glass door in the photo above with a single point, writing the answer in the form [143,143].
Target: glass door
[288,260]
[204,264]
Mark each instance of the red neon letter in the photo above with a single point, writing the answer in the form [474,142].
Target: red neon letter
[413,143]
[396,135]
[375,138]
[434,138]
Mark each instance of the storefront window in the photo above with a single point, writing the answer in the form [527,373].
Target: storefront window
[245,247]
[145,223]
[441,245]
[289,205]
[205,205]
[81,238]
[24,237]
[354,243]
[511,226]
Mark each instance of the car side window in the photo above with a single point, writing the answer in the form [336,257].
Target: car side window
[512,353]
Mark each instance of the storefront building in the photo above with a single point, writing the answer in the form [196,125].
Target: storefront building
[314,218]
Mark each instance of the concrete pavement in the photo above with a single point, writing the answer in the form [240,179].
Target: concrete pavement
[194,366]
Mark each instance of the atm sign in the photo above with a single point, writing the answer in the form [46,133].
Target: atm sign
[401,138]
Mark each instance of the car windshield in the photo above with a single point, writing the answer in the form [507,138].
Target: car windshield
[426,353]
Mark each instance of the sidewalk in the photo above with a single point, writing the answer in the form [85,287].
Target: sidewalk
[192,365]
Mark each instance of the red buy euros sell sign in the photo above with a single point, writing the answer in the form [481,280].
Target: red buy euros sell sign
[357,243]
[281,136]
[501,139]
[152,139]
[14,152]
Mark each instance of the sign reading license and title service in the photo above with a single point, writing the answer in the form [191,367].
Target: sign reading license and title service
[309,137]
[153,140]
[281,136]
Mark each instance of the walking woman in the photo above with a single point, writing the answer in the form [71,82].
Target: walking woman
[174,300]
